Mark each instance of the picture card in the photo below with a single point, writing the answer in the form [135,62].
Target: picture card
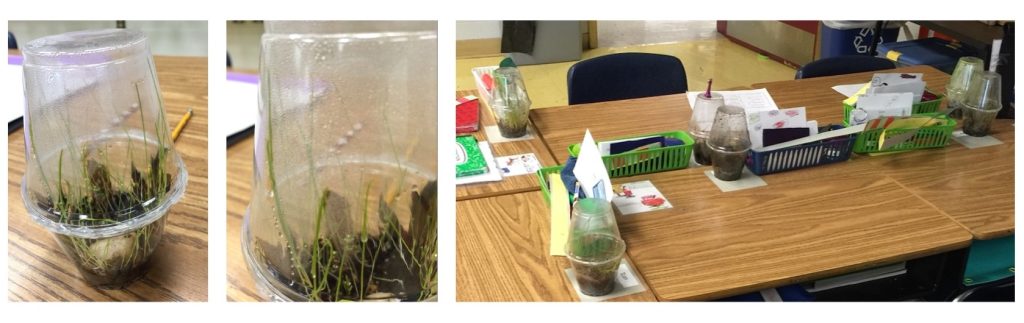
[518,165]
[915,88]
[874,106]
[773,119]
[639,197]
[626,283]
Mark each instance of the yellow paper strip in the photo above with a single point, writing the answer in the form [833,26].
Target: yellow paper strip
[852,100]
[559,215]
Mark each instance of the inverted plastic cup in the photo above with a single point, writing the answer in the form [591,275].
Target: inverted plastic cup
[101,169]
[982,104]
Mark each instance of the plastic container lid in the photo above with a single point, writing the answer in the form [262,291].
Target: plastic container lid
[90,47]
[108,230]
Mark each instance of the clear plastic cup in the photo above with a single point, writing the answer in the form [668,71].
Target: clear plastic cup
[101,170]
[510,103]
[595,247]
[703,117]
[729,143]
[968,70]
[982,104]
[344,194]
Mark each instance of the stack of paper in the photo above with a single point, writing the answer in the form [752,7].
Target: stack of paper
[887,95]
[750,100]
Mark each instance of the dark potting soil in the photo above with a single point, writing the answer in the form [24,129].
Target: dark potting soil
[977,123]
[728,166]
[512,131]
[596,280]
[701,152]
[119,261]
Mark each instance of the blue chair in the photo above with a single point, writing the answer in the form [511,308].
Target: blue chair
[625,76]
[12,43]
[840,65]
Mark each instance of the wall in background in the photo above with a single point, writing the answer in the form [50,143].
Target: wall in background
[465,30]
[167,38]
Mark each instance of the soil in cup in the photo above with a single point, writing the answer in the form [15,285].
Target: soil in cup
[375,241]
[727,165]
[595,259]
[701,152]
[109,187]
[977,122]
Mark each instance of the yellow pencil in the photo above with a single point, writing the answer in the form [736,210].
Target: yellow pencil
[181,124]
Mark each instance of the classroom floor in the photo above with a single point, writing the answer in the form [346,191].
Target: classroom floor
[704,53]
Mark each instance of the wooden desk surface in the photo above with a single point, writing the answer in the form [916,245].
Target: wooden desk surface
[502,252]
[509,185]
[713,244]
[39,270]
[563,126]
[974,186]
[240,286]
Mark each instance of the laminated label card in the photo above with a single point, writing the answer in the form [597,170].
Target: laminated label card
[518,165]
[626,283]
[638,197]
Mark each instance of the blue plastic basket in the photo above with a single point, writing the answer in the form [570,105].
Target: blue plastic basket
[823,152]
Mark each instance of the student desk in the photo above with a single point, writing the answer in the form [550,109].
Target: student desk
[973,186]
[806,224]
[240,286]
[712,244]
[39,270]
[502,252]
[508,185]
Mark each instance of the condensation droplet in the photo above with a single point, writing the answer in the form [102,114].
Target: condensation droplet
[358,126]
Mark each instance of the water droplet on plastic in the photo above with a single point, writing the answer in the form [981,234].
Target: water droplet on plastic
[350,133]
[342,141]
[358,126]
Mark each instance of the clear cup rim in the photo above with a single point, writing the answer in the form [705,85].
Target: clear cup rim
[111,230]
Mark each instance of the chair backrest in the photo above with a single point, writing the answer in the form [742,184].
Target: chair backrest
[843,65]
[625,76]
[11,42]
[229,59]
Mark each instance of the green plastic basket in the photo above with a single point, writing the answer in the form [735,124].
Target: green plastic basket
[647,161]
[542,175]
[927,137]
[919,108]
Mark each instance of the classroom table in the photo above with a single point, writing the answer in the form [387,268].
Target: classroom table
[502,252]
[973,186]
[798,228]
[508,185]
[39,270]
[712,244]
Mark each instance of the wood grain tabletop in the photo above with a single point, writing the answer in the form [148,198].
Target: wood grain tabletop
[39,270]
[973,186]
[563,126]
[508,185]
[502,252]
[712,244]
[241,287]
